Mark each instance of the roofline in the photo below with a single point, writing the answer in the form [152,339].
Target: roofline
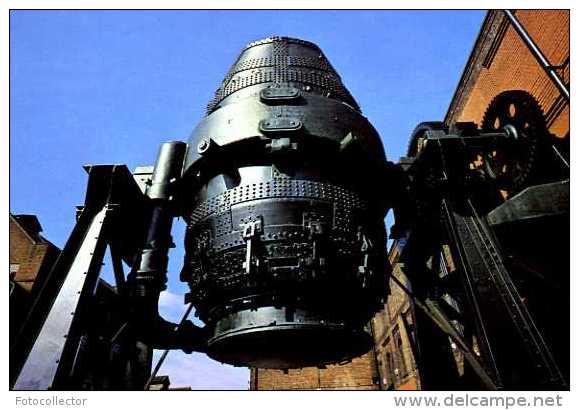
[468,66]
[41,240]
[21,228]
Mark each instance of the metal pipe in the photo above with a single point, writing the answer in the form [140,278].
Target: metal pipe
[149,273]
[538,54]
[560,156]
[148,277]
[166,352]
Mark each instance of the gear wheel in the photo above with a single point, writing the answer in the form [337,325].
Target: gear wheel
[418,133]
[512,167]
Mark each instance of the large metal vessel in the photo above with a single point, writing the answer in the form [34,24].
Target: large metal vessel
[285,243]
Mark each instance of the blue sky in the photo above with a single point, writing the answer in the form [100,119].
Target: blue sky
[98,87]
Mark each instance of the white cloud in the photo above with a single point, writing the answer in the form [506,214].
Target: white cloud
[202,373]
[171,306]
[195,370]
[168,298]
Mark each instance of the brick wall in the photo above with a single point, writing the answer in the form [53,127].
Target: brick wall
[501,61]
[30,255]
[360,374]
[394,353]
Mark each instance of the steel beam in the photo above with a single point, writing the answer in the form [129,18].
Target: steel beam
[58,337]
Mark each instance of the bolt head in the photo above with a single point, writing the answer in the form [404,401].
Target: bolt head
[203,145]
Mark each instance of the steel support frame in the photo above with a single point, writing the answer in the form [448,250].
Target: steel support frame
[482,269]
[483,266]
[51,339]
[55,350]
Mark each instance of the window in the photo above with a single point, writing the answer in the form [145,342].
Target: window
[14,268]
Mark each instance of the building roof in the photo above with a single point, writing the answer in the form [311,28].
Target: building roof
[31,227]
[492,29]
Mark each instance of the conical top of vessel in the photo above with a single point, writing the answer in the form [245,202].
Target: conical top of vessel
[281,61]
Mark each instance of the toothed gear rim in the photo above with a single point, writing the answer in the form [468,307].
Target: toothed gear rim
[512,168]
[419,131]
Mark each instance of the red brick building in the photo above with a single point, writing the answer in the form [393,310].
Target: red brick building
[360,374]
[31,255]
[501,61]
[393,331]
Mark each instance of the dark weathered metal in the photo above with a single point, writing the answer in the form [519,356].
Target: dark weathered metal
[149,273]
[535,202]
[166,352]
[297,64]
[148,277]
[450,195]
[285,240]
[518,113]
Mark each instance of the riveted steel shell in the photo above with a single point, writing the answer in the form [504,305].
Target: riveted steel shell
[285,245]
